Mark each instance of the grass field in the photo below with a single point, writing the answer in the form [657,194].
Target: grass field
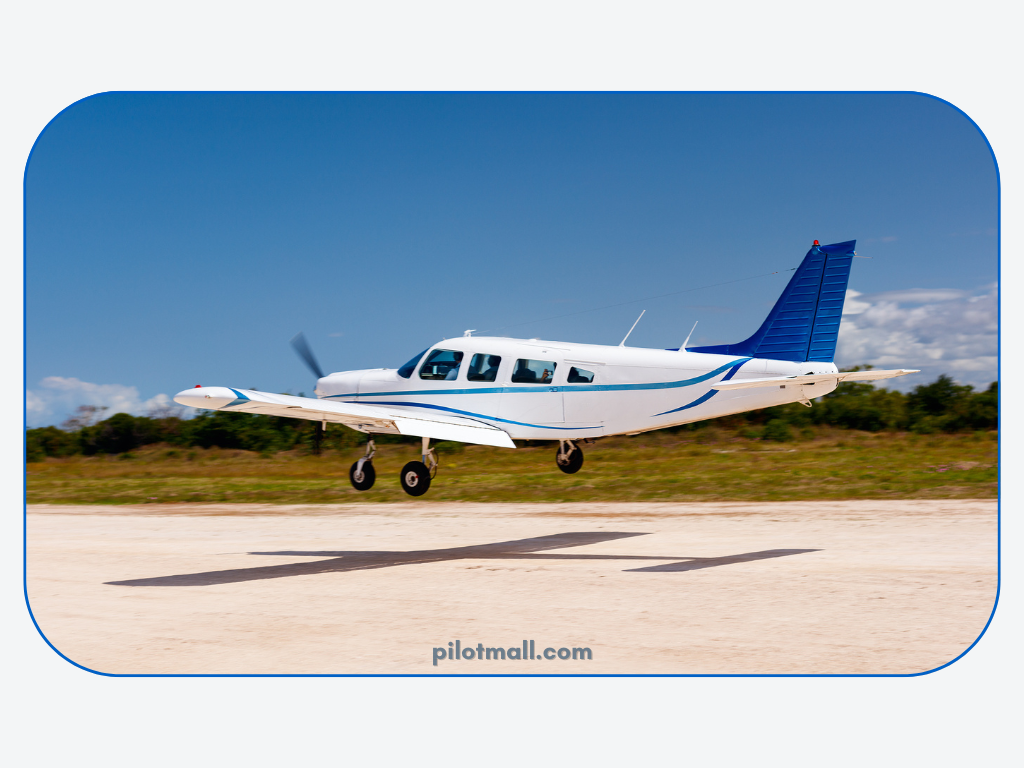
[707,465]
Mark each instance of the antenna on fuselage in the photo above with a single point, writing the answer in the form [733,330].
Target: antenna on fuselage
[683,348]
[623,342]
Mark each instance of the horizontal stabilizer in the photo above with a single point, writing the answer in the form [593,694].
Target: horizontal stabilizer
[813,378]
[363,417]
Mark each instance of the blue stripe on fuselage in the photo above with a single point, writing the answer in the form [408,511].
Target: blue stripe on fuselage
[546,388]
[707,395]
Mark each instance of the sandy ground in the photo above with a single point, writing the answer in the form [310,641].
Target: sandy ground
[831,587]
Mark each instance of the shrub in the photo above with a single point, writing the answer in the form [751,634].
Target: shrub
[777,430]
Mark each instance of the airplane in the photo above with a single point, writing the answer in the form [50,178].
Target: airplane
[492,390]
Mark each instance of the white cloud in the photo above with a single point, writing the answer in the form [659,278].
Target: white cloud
[916,295]
[57,398]
[947,331]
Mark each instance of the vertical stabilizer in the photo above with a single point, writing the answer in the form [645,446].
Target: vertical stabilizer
[804,323]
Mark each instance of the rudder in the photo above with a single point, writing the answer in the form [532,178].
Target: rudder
[803,326]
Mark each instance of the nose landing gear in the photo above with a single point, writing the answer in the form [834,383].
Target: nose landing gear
[362,475]
[569,458]
[416,475]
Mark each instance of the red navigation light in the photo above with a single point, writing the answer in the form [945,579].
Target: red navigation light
[816,242]
[198,386]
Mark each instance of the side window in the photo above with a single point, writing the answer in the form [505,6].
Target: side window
[483,368]
[533,372]
[580,376]
[406,370]
[441,365]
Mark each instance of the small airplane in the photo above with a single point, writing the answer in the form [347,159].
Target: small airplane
[495,390]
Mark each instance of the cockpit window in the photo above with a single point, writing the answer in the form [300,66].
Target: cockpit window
[441,365]
[406,370]
[580,376]
[483,368]
[533,372]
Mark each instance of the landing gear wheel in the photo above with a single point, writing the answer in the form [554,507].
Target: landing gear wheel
[415,478]
[569,460]
[362,480]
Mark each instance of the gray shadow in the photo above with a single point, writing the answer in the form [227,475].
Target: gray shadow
[520,549]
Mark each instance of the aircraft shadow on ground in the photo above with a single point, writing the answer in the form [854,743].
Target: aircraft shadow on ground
[521,549]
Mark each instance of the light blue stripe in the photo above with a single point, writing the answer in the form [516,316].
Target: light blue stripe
[545,388]
[476,415]
[239,399]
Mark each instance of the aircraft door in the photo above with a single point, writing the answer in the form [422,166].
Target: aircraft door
[531,397]
[582,405]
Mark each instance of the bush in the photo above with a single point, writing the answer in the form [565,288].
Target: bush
[777,430]
[941,405]
[49,441]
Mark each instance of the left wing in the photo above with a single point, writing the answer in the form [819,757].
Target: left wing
[363,417]
[812,379]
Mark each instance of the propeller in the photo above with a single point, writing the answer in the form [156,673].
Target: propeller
[302,347]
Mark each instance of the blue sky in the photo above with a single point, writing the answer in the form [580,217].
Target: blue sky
[179,239]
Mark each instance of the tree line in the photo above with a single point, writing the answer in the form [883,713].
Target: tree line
[941,406]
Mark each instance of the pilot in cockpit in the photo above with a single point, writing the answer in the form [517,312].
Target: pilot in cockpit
[491,373]
[454,372]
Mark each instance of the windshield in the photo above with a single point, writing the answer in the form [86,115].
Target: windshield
[406,370]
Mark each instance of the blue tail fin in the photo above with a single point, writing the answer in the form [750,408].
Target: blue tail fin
[804,323]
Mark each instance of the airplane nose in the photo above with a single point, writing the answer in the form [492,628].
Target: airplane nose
[205,397]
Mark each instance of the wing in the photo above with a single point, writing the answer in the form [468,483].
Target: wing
[813,378]
[363,417]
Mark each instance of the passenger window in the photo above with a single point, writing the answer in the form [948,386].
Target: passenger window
[580,376]
[533,372]
[483,368]
[406,370]
[441,365]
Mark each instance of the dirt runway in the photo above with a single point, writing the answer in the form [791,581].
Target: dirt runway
[831,587]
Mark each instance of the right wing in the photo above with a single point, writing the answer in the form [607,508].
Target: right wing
[364,417]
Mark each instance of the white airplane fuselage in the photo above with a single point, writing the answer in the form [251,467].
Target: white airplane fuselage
[630,390]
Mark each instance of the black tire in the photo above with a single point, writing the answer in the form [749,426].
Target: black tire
[573,464]
[369,476]
[415,478]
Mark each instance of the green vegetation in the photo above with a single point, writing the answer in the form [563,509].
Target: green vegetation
[857,442]
[707,465]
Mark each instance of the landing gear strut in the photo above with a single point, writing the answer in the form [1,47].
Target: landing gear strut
[362,474]
[416,475]
[569,457]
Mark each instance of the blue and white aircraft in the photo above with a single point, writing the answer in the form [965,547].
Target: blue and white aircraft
[495,390]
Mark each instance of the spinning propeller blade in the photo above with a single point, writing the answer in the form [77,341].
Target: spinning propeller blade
[302,347]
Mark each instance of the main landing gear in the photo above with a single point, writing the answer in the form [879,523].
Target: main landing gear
[416,475]
[569,457]
[362,474]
